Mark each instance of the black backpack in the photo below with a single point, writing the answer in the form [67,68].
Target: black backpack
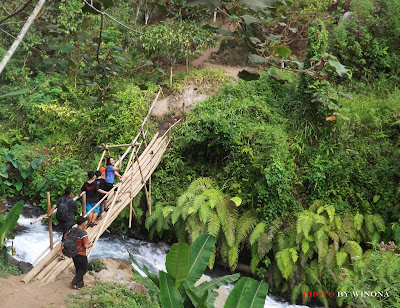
[63,214]
[71,248]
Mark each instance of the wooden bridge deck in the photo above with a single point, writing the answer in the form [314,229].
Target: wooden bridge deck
[136,174]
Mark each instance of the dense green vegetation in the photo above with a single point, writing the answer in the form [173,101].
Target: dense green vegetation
[295,173]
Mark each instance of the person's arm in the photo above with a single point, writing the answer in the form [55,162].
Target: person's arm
[119,165]
[102,191]
[118,175]
[51,212]
[86,242]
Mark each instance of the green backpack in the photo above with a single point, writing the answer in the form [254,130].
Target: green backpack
[71,248]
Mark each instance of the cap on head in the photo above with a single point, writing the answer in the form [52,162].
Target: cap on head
[81,220]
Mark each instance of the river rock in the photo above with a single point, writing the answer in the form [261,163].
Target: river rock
[22,266]
[118,271]
[3,207]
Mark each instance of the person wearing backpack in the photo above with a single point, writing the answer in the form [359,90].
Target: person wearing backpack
[66,207]
[76,243]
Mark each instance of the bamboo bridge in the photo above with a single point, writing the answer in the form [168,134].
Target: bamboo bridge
[137,175]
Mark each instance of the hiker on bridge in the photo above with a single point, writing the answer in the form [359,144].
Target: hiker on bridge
[66,207]
[111,171]
[102,185]
[81,240]
[92,189]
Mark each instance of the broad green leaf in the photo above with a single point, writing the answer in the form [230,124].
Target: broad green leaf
[340,69]
[34,164]
[217,282]
[11,159]
[247,293]
[169,294]
[197,301]
[10,221]
[237,201]
[259,5]
[24,172]
[154,278]
[340,258]
[18,186]
[178,262]
[3,171]
[200,252]
[284,52]
[248,19]
[211,4]
[376,198]
[233,18]
[225,32]
[257,59]
[14,93]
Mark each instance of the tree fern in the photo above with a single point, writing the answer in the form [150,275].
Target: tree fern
[341,257]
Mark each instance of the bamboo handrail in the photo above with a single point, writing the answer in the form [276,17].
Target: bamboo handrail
[137,171]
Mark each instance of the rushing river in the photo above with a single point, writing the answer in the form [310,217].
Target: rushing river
[31,240]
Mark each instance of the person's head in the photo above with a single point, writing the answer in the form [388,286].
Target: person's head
[90,175]
[97,173]
[110,161]
[68,191]
[81,220]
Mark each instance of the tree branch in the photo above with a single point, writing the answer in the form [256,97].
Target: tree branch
[21,35]
[16,12]
[118,22]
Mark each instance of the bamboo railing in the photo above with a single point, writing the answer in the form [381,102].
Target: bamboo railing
[137,173]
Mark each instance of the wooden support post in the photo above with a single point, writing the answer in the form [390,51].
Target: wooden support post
[49,221]
[151,167]
[130,215]
[84,206]
[169,130]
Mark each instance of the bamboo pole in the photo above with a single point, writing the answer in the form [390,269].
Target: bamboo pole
[130,215]
[49,221]
[101,160]
[158,149]
[44,251]
[84,208]
[102,225]
[116,145]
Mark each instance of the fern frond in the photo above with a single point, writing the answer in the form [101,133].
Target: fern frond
[264,245]
[315,205]
[213,225]
[224,251]
[257,231]
[212,258]
[285,262]
[158,211]
[233,256]
[228,217]
[358,221]
[304,223]
[245,224]
[299,289]
[341,257]
[353,249]
[255,259]
[311,272]
[322,299]
[214,197]
[379,223]
[330,210]
[204,213]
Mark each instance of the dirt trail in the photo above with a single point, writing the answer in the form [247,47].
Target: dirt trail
[14,293]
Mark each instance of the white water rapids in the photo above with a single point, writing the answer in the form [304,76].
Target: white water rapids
[31,240]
